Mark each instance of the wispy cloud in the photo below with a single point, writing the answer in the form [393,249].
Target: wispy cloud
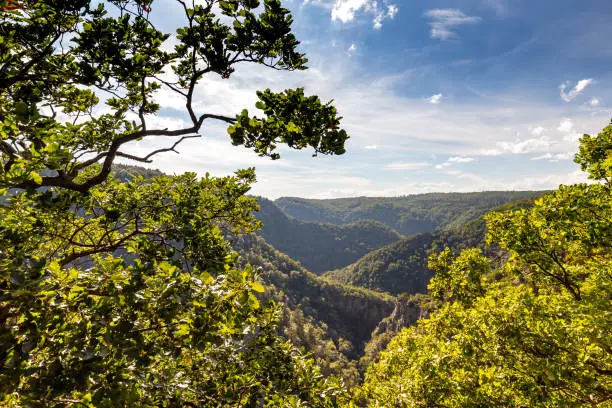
[575,91]
[390,12]
[406,166]
[444,21]
[593,102]
[554,157]
[499,6]
[435,99]
[454,160]
[538,130]
[346,10]
[568,129]
[523,146]
[352,49]
[461,159]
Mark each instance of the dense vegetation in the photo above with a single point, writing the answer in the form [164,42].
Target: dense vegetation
[533,332]
[123,291]
[330,320]
[125,287]
[321,247]
[408,214]
[401,267]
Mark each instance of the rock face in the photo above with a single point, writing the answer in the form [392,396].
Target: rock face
[407,311]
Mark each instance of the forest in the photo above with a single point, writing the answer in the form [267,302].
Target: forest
[122,285]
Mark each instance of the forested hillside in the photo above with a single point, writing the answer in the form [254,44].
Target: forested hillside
[123,286]
[408,215]
[349,312]
[321,246]
[332,321]
[533,331]
[401,267]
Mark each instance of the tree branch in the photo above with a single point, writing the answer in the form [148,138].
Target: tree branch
[146,159]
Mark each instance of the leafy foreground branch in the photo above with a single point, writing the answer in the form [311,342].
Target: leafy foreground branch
[126,294]
[537,332]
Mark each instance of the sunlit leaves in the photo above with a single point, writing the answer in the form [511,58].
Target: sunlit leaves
[538,337]
[293,119]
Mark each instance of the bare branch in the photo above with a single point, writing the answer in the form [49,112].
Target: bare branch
[146,159]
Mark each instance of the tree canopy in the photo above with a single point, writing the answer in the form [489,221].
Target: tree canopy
[125,292]
[535,332]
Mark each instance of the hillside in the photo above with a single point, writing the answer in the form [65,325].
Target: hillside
[348,312]
[408,215]
[401,267]
[321,246]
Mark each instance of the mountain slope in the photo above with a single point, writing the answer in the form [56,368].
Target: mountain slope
[408,215]
[348,312]
[401,267]
[321,247]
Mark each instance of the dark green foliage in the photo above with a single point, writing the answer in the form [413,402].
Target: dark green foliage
[402,267]
[303,122]
[408,214]
[122,291]
[321,247]
[349,312]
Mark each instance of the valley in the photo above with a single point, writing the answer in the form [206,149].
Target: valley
[353,281]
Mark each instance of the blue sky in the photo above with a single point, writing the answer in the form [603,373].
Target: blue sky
[463,95]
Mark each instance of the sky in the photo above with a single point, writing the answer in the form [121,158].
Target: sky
[437,96]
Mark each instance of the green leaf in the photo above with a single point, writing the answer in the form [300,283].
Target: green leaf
[36,178]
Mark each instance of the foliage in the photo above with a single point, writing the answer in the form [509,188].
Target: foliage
[123,291]
[348,314]
[61,59]
[409,215]
[321,247]
[408,310]
[538,337]
[401,267]
[331,355]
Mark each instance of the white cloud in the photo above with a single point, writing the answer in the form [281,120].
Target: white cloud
[381,15]
[454,160]
[444,21]
[346,10]
[554,157]
[538,130]
[370,147]
[577,90]
[435,99]
[594,102]
[461,159]
[352,49]
[519,146]
[566,126]
[406,166]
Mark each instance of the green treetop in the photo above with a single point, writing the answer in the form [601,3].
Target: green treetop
[126,293]
[538,331]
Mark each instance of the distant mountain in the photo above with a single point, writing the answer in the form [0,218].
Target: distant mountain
[408,215]
[321,247]
[401,267]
